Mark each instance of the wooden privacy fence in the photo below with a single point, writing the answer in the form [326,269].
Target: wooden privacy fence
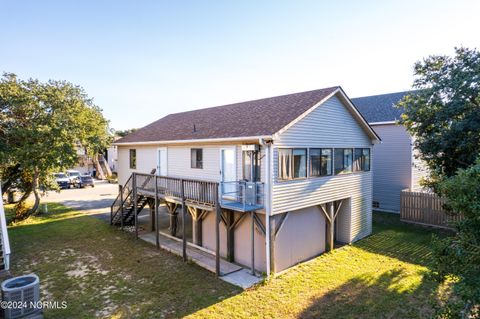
[424,208]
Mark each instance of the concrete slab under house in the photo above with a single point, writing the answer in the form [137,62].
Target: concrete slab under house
[253,187]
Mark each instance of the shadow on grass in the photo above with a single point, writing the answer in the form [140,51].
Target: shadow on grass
[101,271]
[392,294]
[406,242]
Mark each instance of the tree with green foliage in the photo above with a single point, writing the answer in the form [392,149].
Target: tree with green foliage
[460,255]
[123,133]
[443,114]
[41,126]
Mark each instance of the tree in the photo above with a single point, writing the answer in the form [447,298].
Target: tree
[41,125]
[443,114]
[123,133]
[460,255]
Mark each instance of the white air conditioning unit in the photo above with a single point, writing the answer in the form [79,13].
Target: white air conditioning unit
[23,293]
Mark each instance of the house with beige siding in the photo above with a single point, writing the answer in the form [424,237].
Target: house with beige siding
[263,184]
[397,166]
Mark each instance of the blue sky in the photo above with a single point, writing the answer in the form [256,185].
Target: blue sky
[141,60]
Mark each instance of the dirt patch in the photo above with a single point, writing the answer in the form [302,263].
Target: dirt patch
[86,265]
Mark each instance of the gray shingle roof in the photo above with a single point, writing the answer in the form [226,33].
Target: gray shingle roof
[380,108]
[262,117]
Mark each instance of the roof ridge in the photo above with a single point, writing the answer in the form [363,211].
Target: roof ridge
[383,94]
[254,100]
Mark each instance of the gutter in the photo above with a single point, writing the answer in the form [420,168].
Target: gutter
[383,123]
[207,140]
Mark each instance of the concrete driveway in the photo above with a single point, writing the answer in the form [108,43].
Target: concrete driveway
[94,201]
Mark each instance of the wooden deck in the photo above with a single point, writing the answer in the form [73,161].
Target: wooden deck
[193,197]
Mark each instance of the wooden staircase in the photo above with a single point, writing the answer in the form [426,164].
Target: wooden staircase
[124,204]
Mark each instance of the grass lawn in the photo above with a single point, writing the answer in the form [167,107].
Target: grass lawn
[103,272]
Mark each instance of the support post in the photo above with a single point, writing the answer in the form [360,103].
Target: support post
[331,212]
[157,239]
[120,187]
[253,243]
[135,201]
[184,216]
[197,217]
[230,235]
[173,223]
[218,211]
[172,212]
[151,203]
[272,234]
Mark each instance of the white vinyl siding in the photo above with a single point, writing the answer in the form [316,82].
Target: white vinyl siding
[179,161]
[146,161]
[330,125]
[393,162]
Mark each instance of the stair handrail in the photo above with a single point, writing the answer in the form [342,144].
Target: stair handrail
[126,191]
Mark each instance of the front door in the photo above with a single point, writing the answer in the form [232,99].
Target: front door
[162,161]
[228,170]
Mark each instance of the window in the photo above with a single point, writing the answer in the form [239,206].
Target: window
[362,159]
[299,163]
[284,164]
[196,158]
[133,158]
[343,160]
[320,161]
[251,166]
[292,163]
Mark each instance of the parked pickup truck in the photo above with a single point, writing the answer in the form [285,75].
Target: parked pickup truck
[62,180]
[74,177]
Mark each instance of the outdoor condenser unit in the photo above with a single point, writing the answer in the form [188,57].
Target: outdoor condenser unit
[250,193]
[24,291]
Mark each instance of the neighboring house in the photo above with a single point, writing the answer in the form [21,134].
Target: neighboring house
[287,164]
[396,166]
[111,156]
[85,163]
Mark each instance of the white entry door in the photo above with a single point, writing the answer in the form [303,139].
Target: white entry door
[162,161]
[228,169]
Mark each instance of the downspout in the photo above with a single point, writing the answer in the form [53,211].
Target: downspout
[267,198]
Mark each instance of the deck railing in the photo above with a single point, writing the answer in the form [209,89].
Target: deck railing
[242,194]
[425,208]
[198,191]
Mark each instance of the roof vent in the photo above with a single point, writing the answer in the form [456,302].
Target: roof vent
[194,128]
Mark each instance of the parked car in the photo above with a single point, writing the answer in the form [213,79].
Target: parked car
[74,177]
[85,180]
[62,180]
